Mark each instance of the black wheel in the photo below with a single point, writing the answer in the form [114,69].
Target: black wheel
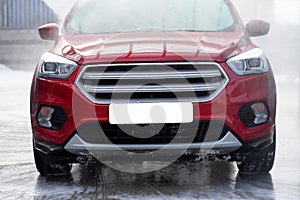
[50,169]
[263,164]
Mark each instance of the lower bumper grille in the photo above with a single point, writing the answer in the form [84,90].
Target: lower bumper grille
[197,132]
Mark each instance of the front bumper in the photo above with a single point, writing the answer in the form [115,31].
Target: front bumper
[225,107]
[77,150]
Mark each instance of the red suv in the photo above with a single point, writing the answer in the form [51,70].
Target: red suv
[164,80]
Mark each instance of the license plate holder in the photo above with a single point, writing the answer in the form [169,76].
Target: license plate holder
[151,113]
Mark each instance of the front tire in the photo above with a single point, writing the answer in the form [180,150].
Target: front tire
[263,164]
[46,169]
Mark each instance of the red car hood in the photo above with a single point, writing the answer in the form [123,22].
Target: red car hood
[166,46]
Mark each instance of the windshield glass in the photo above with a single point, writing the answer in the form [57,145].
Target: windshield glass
[111,16]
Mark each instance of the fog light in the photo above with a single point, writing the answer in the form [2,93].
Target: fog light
[254,114]
[261,113]
[44,117]
[51,117]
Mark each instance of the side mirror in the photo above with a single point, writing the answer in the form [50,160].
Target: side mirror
[49,31]
[257,28]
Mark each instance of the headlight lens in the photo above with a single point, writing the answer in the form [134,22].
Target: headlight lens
[250,62]
[54,66]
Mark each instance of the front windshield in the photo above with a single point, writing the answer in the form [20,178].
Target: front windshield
[113,16]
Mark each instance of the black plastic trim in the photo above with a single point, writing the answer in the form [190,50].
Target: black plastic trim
[247,110]
[52,153]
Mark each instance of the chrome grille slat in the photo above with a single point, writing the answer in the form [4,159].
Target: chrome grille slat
[165,82]
[152,75]
[152,88]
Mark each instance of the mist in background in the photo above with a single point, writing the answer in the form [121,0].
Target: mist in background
[22,49]
[281,45]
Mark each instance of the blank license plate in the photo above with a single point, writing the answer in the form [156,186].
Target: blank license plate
[150,113]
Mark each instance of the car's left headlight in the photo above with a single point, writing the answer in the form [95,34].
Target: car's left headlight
[54,66]
[249,62]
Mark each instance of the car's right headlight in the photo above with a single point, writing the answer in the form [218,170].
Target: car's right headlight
[54,66]
[249,62]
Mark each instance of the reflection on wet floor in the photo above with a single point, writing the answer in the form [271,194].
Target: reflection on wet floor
[178,181]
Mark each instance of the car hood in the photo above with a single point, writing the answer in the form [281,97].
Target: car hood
[168,46]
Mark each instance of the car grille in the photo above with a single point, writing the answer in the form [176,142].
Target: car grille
[196,132]
[152,82]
